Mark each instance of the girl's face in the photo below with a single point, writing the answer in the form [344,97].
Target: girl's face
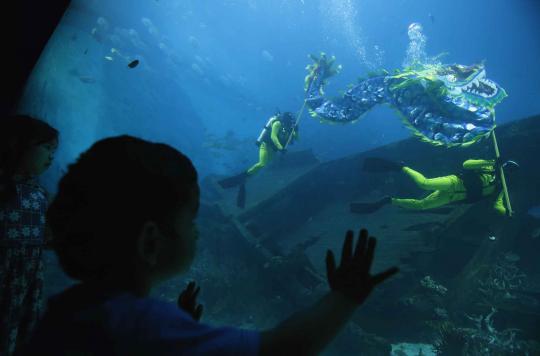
[38,158]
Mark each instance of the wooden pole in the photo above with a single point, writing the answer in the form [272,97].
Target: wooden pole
[295,124]
[297,121]
[501,173]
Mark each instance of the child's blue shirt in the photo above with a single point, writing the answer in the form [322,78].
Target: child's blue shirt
[78,323]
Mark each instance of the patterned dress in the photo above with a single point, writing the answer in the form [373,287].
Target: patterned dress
[22,231]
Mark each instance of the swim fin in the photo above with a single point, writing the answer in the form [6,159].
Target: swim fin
[241,197]
[233,181]
[376,165]
[368,208]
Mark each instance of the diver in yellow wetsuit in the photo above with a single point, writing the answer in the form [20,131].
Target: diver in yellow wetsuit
[279,131]
[478,180]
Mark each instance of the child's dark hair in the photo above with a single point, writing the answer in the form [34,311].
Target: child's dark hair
[108,194]
[18,134]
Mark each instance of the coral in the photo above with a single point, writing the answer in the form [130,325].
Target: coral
[482,338]
[485,339]
[451,341]
[441,313]
[430,283]
[503,282]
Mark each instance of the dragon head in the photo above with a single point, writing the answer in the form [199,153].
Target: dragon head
[470,84]
[447,104]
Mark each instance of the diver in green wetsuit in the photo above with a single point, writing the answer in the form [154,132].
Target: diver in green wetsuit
[279,132]
[476,182]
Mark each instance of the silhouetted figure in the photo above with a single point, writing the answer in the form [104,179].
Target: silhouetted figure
[27,148]
[123,221]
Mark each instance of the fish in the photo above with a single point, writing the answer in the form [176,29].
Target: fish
[424,226]
[133,64]
[267,56]
[109,58]
[86,51]
[511,257]
[431,17]
[196,68]
[193,42]
[87,79]
[534,211]
[96,35]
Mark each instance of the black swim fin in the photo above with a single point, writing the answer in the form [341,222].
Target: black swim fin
[368,208]
[376,165]
[233,181]
[241,196]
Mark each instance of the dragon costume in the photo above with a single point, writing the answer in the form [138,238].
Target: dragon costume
[451,105]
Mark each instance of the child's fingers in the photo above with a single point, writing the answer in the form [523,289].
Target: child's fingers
[330,264]
[380,277]
[346,251]
[198,312]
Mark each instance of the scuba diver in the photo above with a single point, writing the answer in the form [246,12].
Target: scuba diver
[478,180]
[280,131]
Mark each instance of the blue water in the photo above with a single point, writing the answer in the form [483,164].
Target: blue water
[215,68]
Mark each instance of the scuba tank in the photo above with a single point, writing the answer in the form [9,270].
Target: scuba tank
[264,136]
